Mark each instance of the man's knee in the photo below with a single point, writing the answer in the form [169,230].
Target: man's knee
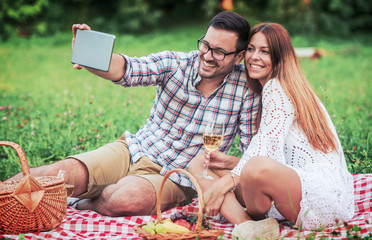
[130,196]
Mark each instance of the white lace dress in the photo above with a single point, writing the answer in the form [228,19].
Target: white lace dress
[327,186]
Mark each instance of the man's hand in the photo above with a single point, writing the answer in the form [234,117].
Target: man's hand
[75,27]
[117,65]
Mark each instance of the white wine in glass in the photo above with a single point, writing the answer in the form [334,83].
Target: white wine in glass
[212,139]
[212,142]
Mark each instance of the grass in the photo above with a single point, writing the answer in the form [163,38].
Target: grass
[53,111]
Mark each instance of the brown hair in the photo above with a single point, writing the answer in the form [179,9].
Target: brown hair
[231,21]
[286,69]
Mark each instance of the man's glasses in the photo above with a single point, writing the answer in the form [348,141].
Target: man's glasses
[217,54]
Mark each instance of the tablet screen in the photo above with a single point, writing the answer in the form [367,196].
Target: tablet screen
[93,49]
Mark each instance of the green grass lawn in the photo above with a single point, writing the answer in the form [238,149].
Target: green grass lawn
[53,111]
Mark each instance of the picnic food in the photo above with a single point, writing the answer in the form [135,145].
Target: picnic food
[184,223]
[184,217]
[181,225]
[171,227]
[165,226]
[177,223]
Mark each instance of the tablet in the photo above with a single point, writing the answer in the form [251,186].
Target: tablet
[93,49]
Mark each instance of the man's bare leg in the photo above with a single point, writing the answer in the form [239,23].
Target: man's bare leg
[73,169]
[130,196]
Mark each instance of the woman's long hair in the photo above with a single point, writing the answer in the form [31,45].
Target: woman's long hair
[286,69]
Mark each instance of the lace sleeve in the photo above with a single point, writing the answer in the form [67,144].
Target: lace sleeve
[276,120]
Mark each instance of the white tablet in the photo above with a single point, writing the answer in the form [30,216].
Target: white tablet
[93,49]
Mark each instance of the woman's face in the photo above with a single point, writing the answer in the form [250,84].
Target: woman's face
[257,58]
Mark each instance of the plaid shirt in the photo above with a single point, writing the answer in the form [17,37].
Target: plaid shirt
[172,135]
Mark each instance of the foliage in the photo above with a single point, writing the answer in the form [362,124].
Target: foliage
[336,17]
[342,16]
[20,17]
[46,17]
[118,16]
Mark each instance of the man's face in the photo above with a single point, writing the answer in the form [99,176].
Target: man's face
[223,41]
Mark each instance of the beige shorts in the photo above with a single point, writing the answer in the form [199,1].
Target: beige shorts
[111,162]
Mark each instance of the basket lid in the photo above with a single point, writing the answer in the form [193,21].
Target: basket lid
[9,186]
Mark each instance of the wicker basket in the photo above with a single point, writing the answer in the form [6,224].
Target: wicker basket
[198,233]
[31,204]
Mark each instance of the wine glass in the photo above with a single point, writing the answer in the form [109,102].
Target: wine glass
[70,187]
[212,139]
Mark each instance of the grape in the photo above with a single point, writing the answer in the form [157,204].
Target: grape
[205,224]
[147,228]
[193,219]
[175,216]
[151,225]
[183,213]
[160,228]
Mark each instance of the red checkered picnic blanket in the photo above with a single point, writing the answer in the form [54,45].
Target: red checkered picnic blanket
[91,225]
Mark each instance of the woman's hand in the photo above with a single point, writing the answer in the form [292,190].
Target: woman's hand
[213,199]
[75,27]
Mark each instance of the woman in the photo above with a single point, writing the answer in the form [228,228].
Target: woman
[294,168]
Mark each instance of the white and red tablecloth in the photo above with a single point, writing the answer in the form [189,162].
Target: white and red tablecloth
[91,225]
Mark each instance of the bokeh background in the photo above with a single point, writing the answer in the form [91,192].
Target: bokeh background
[46,17]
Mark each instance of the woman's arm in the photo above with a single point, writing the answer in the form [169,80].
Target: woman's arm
[215,195]
[277,117]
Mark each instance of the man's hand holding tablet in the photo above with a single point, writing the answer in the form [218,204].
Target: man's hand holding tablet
[91,49]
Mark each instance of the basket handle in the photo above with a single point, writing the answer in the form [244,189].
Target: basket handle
[21,155]
[198,189]
[29,191]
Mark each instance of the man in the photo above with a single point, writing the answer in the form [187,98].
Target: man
[121,178]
